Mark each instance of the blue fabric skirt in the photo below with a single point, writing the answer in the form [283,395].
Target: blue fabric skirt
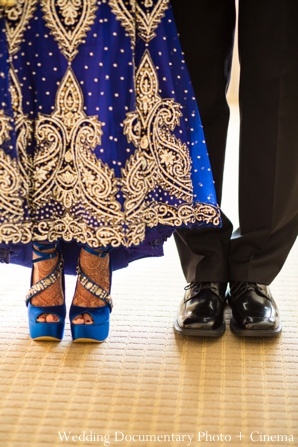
[101,141]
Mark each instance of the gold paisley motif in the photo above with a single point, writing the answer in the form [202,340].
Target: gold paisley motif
[13,228]
[145,21]
[160,159]
[68,172]
[69,22]
[17,18]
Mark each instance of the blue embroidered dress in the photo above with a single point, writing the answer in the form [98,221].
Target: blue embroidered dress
[100,137]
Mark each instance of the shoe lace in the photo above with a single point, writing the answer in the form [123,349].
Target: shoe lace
[197,287]
[239,288]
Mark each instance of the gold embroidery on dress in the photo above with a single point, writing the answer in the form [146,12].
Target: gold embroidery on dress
[66,170]
[24,130]
[69,227]
[73,194]
[125,15]
[14,173]
[160,159]
[69,21]
[146,20]
[82,190]
[5,127]
[148,3]
[69,10]
[17,18]
[165,214]
[12,225]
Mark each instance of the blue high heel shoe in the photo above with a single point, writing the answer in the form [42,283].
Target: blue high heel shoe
[98,331]
[39,330]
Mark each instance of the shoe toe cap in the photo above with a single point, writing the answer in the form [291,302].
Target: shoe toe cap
[260,323]
[192,322]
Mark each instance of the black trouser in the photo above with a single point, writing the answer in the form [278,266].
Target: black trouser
[268,171]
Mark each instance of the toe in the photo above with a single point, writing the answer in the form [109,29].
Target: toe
[88,319]
[50,318]
[79,320]
[41,318]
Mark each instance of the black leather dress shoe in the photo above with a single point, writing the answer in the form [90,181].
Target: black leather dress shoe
[255,313]
[201,310]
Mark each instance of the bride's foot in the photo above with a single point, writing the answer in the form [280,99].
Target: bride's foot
[90,310]
[97,268]
[45,298]
[53,295]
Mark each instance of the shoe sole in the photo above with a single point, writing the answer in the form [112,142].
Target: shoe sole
[87,340]
[46,338]
[254,332]
[212,333]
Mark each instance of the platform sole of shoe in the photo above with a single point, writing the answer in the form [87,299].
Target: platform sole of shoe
[87,340]
[46,338]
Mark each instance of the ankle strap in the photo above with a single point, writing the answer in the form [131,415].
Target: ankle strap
[39,248]
[46,282]
[94,288]
[100,252]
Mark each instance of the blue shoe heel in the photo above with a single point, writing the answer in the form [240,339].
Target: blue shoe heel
[38,330]
[99,330]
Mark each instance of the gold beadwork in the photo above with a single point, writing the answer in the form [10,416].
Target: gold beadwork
[93,288]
